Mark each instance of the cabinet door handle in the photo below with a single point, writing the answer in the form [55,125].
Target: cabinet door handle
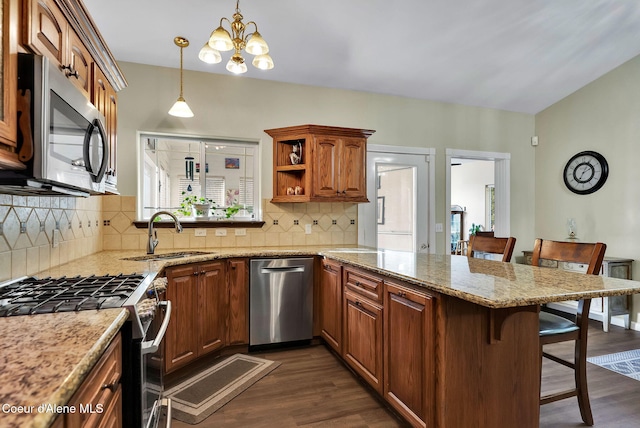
[344,192]
[70,72]
[196,273]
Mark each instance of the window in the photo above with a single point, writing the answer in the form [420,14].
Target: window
[224,171]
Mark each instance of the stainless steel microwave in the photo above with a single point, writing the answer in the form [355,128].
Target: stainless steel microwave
[69,144]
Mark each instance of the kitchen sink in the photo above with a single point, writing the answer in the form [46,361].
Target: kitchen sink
[166,256]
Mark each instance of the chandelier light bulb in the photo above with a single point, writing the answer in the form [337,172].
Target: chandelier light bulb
[209,55]
[236,64]
[263,62]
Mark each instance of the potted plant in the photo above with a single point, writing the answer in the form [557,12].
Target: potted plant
[475,228]
[199,204]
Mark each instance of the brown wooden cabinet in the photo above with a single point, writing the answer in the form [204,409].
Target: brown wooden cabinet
[331,304]
[328,164]
[362,337]
[52,28]
[199,297]
[8,86]
[104,97]
[409,361]
[99,399]
[238,279]
[47,32]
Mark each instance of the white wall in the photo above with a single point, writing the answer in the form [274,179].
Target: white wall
[235,106]
[603,116]
[468,181]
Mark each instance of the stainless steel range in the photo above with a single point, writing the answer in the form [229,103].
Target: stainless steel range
[143,403]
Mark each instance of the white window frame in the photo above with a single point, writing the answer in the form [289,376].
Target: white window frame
[141,136]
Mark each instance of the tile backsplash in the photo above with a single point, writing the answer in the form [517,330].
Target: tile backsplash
[81,226]
[30,224]
[331,224]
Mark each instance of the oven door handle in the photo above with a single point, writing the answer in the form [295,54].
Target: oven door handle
[152,346]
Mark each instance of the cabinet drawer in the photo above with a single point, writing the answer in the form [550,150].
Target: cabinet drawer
[363,283]
[99,390]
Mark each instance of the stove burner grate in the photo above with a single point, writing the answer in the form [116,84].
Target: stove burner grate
[48,295]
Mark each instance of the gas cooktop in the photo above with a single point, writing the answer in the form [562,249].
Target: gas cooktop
[28,296]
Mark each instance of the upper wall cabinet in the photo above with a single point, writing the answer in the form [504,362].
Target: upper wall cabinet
[8,85]
[313,163]
[63,31]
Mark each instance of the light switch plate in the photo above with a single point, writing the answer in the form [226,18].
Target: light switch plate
[241,232]
[439,227]
[221,232]
[200,232]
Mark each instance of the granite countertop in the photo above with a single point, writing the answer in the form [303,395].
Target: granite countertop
[45,358]
[484,282]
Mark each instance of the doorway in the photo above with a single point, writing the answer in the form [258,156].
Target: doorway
[491,200]
[400,189]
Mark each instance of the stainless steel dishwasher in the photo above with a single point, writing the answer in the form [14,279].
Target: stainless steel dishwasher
[280,301]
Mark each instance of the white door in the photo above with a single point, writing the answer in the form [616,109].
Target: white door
[399,189]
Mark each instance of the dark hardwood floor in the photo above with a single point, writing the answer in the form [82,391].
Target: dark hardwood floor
[312,388]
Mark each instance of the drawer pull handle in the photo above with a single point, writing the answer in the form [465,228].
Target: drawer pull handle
[358,303]
[357,283]
[110,386]
[402,294]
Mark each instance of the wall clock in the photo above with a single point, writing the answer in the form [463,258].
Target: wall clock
[586,172]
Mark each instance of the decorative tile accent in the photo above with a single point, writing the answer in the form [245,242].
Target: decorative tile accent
[353,221]
[334,221]
[315,222]
[296,222]
[275,222]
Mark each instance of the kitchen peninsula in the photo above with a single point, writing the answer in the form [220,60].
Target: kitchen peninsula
[482,351]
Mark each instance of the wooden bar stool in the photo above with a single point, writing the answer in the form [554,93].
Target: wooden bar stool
[554,328]
[489,244]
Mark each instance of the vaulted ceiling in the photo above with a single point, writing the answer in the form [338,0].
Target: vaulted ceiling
[516,55]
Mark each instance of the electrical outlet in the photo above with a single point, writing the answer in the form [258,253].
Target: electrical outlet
[200,232]
[221,232]
[241,232]
[307,229]
[55,238]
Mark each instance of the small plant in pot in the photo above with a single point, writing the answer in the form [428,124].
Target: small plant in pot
[199,204]
[475,228]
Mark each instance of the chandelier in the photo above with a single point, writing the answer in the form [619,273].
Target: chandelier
[252,43]
[180,108]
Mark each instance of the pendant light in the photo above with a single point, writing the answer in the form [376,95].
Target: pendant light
[180,108]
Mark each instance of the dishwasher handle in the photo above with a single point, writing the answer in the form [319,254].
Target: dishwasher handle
[282,269]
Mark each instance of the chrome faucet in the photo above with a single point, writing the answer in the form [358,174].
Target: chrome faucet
[153,236]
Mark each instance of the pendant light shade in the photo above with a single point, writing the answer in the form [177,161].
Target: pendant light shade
[209,55]
[256,45]
[236,64]
[180,108]
[263,62]
[221,40]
